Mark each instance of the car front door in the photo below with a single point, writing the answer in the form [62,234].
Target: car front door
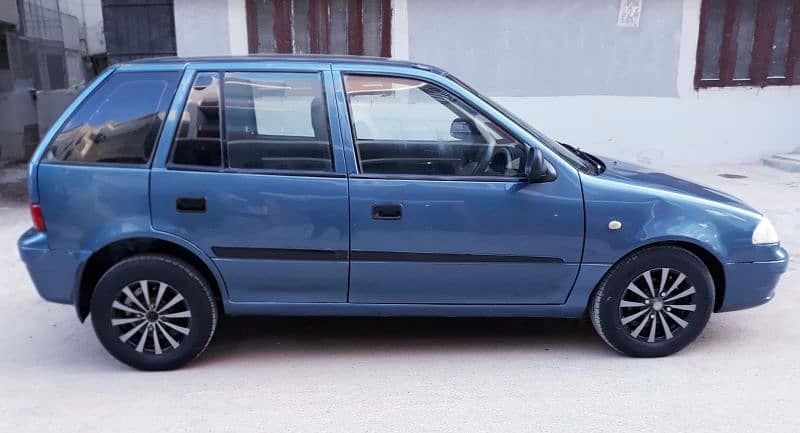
[440,210]
[253,173]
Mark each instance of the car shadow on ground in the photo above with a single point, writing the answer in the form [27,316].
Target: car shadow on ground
[263,340]
[320,336]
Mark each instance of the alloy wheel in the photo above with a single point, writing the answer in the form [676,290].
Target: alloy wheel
[657,305]
[151,316]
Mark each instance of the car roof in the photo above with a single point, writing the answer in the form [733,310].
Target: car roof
[324,58]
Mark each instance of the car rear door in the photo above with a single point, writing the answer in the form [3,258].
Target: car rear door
[252,172]
[440,210]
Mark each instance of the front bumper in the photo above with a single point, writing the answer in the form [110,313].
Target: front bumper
[753,283]
[53,272]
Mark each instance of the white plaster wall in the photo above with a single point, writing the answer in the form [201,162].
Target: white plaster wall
[71,32]
[75,68]
[71,29]
[237,26]
[711,127]
[696,127]
[210,27]
[400,29]
[201,28]
[93,17]
[90,16]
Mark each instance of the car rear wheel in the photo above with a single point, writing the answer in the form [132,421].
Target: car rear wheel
[153,312]
[654,302]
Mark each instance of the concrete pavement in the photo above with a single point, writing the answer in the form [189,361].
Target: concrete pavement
[412,375]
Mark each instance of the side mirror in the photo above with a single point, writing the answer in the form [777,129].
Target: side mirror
[537,169]
[463,129]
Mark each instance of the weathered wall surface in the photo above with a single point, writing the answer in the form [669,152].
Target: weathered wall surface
[549,48]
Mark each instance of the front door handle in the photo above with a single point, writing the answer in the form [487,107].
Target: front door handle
[190,204]
[387,211]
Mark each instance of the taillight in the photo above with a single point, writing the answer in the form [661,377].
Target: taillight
[37,217]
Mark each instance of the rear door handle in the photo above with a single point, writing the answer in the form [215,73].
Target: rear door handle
[190,204]
[387,211]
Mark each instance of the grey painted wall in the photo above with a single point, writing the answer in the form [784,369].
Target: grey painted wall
[8,12]
[50,104]
[549,47]
[17,112]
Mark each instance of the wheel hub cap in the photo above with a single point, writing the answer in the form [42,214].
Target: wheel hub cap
[151,316]
[657,305]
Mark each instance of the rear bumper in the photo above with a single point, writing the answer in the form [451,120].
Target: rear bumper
[53,272]
[751,284]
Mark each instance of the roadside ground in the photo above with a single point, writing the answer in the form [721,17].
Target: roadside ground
[410,375]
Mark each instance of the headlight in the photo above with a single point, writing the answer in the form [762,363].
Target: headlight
[765,233]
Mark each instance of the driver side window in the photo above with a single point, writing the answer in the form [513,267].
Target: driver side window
[407,126]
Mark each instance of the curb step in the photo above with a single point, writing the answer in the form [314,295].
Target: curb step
[787,162]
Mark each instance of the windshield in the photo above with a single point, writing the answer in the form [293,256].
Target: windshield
[562,151]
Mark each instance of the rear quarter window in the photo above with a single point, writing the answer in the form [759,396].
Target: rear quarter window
[119,122]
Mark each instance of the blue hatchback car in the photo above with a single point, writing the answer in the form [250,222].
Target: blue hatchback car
[175,190]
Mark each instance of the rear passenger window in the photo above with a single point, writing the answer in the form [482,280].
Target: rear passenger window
[119,122]
[198,142]
[276,121]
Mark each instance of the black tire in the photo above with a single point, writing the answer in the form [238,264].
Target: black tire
[181,278]
[607,312]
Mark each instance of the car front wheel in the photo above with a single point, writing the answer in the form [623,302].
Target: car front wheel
[153,312]
[654,302]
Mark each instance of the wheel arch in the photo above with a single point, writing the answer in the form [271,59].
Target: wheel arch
[712,263]
[102,259]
